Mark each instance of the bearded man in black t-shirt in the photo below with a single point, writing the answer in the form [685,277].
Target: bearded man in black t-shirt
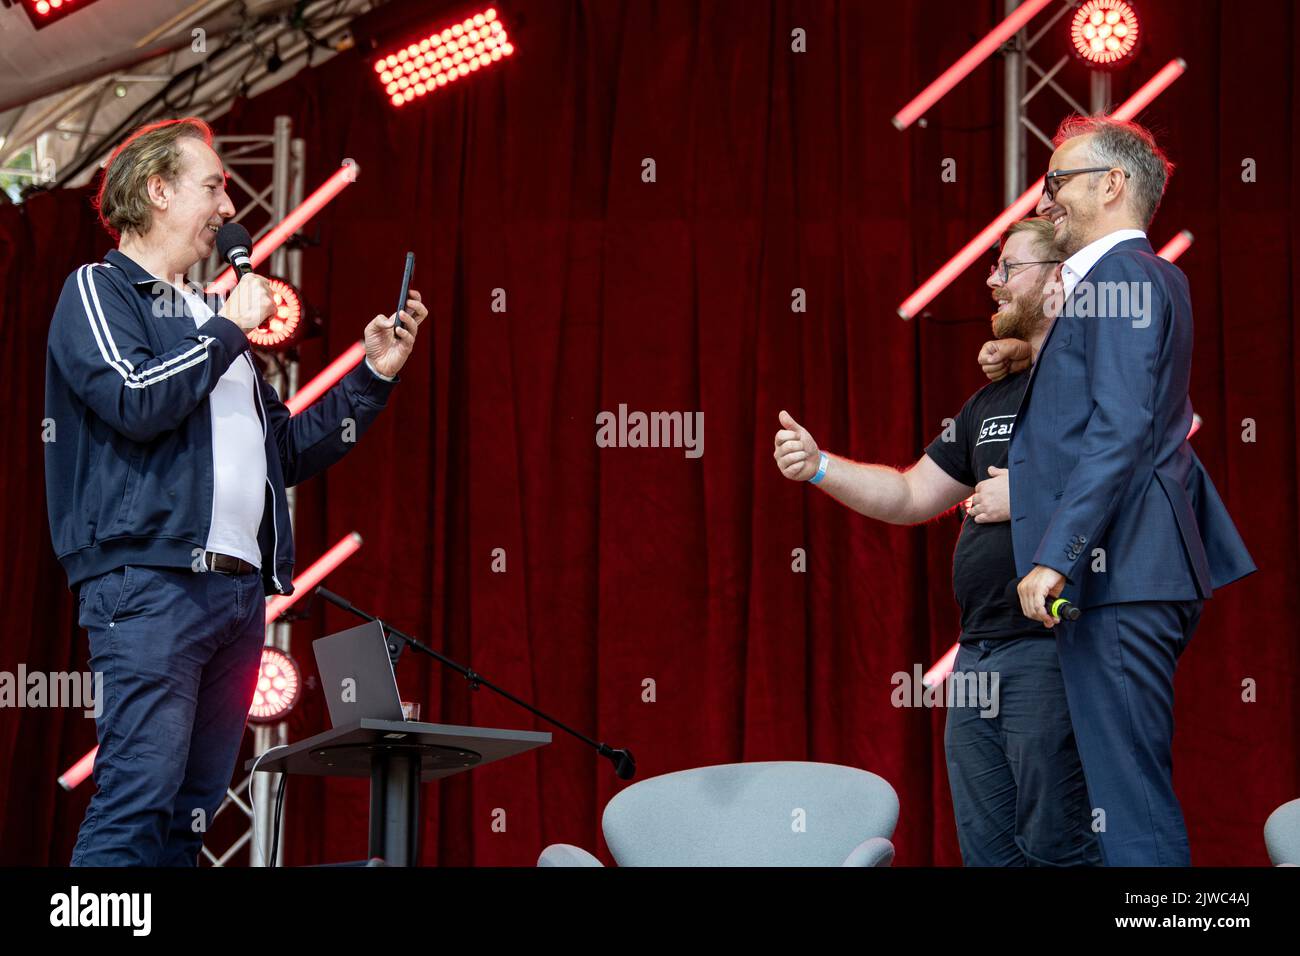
[1017,784]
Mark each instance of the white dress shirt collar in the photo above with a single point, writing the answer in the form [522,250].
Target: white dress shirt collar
[1081,263]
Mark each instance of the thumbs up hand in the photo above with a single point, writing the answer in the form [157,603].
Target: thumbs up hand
[796,454]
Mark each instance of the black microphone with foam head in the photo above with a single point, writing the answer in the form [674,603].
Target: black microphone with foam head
[1059,608]
[235,245]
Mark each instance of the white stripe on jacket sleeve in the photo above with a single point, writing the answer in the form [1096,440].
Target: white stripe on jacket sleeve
[99,327]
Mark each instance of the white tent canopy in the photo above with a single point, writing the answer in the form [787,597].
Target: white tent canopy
[67,90]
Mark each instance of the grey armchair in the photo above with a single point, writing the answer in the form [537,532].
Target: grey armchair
[1282,834]
[778,813]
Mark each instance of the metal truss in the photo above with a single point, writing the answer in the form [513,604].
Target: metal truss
[236,798]
[1016,99]
[266,183]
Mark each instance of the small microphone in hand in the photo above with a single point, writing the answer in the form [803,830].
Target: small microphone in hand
[1059,608]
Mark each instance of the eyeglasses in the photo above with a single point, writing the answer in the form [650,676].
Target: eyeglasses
[1005,267]
[1052,181]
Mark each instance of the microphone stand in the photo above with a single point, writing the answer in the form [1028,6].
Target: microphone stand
[624,764]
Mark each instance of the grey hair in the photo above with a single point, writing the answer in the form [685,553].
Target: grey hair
[1129,147]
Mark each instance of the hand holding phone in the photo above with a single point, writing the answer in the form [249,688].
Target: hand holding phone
[406,287]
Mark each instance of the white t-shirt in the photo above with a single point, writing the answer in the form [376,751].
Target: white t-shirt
[238,455]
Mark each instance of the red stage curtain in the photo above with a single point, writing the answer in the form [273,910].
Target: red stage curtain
[775,171]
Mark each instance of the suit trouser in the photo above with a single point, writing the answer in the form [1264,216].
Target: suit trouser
[1118,664]
[1017,785]
[179,652]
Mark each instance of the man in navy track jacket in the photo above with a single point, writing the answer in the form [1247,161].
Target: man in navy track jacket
[165,484]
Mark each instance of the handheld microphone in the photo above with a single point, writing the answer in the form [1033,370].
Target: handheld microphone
[1058,607]
[234,244]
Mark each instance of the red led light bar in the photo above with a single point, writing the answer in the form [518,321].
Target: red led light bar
[985,239]
[330,374]
[942,668]
[972,58]
[1151,89]
[977,247]
[79,771]
[303,583]
[1176,246]
[443,57]
[291,223]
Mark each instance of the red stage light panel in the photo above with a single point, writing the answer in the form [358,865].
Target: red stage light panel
[444,56]
[1104,33]
[44,12]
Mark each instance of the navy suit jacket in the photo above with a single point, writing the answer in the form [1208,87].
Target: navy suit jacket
[1099,456]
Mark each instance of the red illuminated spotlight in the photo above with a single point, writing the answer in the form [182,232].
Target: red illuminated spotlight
[1105,33]
[44,12]
[278,687]
[283,329]
[443,57]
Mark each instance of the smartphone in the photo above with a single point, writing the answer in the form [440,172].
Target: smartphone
[406,287]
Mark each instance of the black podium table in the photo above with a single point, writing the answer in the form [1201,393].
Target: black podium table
[397,756]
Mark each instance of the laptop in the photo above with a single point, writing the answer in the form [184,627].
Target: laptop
[357,676]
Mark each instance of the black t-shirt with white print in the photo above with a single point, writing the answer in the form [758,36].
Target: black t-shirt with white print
[983,562]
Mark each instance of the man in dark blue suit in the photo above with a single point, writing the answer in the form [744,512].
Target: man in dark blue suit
[1110,508]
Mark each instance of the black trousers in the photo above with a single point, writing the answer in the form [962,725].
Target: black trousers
[1018,789]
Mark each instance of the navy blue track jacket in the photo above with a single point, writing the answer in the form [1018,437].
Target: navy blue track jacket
[128,465]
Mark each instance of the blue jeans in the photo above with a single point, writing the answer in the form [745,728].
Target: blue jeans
[1018,789]
[179,652]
